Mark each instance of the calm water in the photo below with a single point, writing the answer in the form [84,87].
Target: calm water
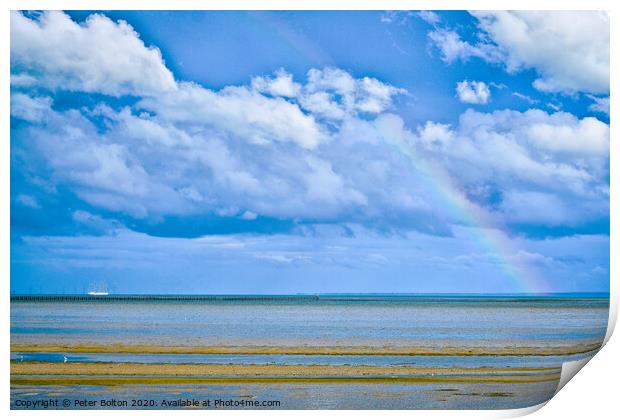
[460,322]
[293,359]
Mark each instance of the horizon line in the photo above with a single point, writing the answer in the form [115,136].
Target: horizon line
[329,294]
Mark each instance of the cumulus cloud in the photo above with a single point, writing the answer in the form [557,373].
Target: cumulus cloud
[568,49]
[552,162]
[326,149]
[238,110]
[334,93]
[103,173]
[435,134]
[280,85]
[473,92]
[149,166]
[587,136]
[98,55]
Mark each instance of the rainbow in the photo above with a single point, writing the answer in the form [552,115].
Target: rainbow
[486,230]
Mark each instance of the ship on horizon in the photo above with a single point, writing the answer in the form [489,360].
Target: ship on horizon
[93,293]
[98,288]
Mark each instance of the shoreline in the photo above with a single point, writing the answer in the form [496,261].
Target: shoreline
[116,381]
[187,369]
[308,350]
[109,374]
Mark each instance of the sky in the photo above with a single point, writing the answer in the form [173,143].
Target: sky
[309,152]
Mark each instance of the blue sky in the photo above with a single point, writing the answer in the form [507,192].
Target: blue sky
[309,152]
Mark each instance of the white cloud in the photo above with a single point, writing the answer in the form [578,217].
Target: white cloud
[582,137]
[526,98]
[106,174]
[240,111]
[144,129]
[599,104]
[322,105]
[569,49]
[280,85]
[322,149]
[473,92]
[147,166]
[545,159]
[429,17]
[22,80]
[97,56]
[334,93]
[452,47]
[435,134]
[508,161]
[324,186]
[173,162]
[32,109]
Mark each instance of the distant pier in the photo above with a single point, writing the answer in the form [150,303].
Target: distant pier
[301,298]
[134,298]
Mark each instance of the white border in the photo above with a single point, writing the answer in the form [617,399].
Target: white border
[593,394]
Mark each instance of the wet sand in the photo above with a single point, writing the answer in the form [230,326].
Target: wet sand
[128,369]
[358,395]
[76,373]
[310,350]
[114,381]
[114,373]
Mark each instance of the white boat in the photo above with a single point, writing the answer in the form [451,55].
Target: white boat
[98,293]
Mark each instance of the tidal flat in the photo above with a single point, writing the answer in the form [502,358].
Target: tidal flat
[78,368]
[307,395]
[380,353]
[516,350]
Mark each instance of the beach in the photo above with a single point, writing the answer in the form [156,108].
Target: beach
[416,352]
